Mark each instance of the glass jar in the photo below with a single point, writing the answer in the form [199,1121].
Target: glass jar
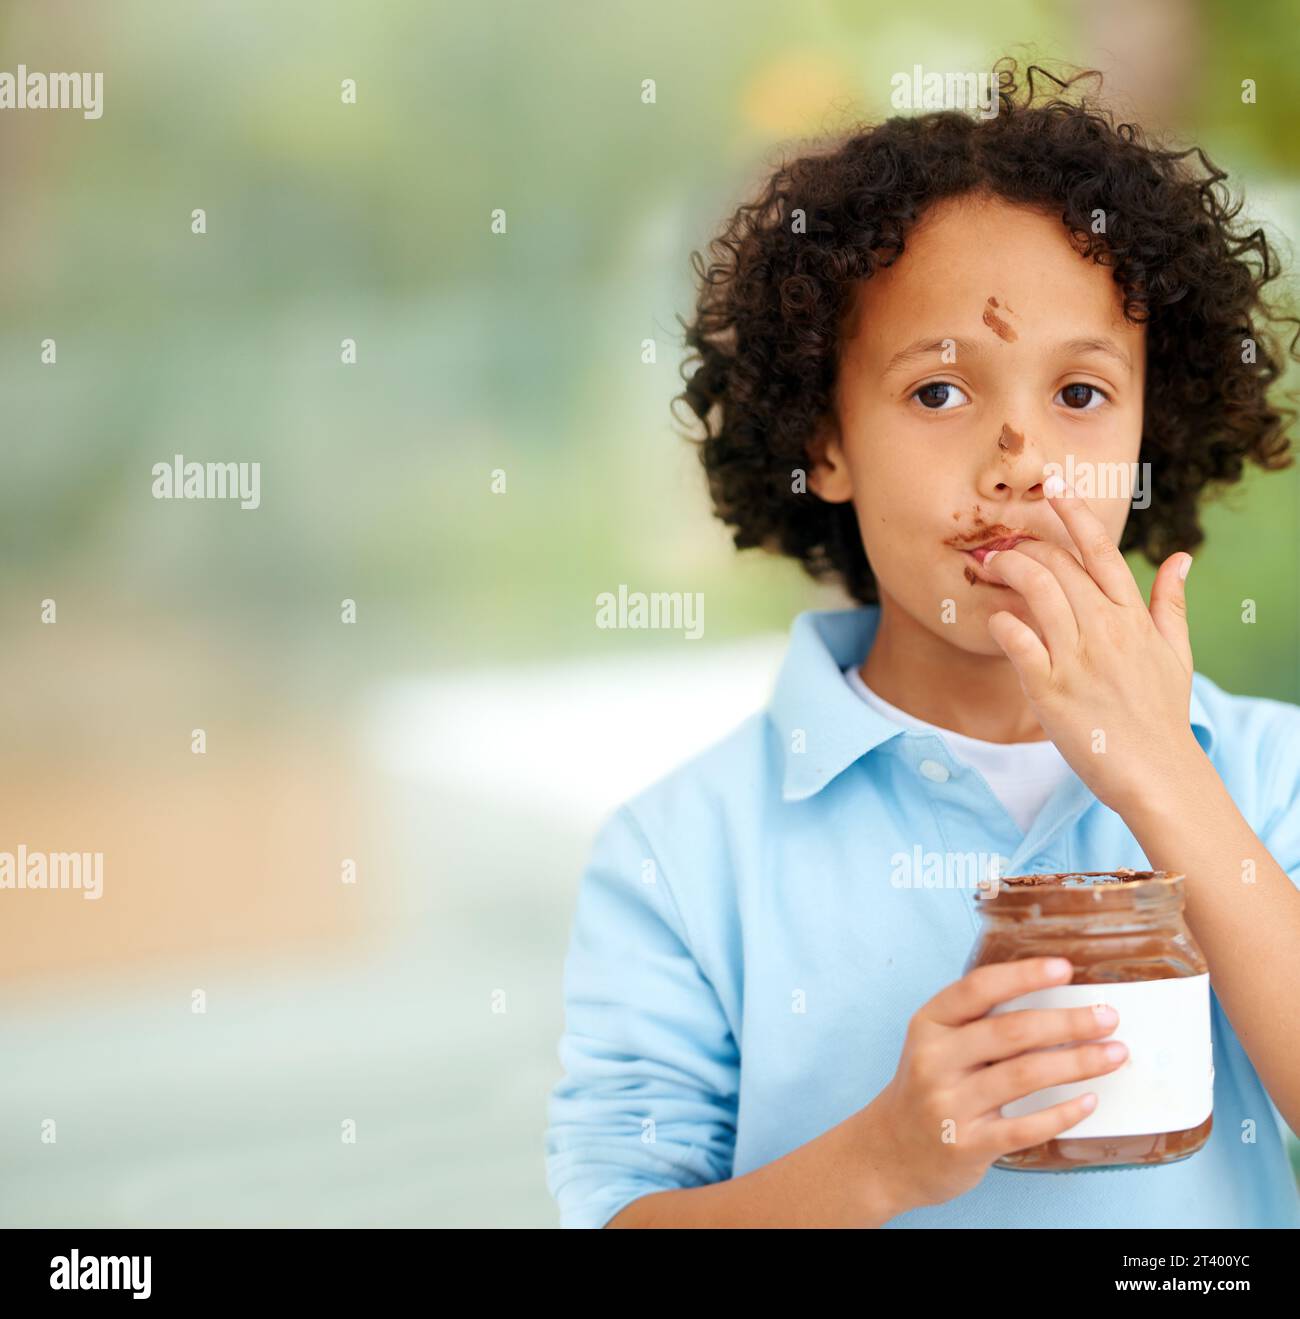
[1124,933]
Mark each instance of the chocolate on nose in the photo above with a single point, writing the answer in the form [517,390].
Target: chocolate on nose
[1010,441]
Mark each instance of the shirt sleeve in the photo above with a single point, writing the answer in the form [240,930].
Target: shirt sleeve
[1279,777]
[648,1097]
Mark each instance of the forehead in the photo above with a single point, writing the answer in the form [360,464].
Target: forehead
[964,252]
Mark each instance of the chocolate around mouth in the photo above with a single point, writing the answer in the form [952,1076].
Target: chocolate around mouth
[988,535]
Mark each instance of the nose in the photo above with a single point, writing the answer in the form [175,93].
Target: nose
[1013,466]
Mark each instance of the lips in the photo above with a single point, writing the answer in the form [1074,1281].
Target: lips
[981,552]
[976,551]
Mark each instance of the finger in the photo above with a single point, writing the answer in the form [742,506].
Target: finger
[982,989]
[1003,1083]
[1021,646]
[1101,556]
[1084,595]
[1006,1135]
[1169,605]
[1042,593]
[1006,1034]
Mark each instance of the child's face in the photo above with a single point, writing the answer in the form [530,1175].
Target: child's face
[944,448]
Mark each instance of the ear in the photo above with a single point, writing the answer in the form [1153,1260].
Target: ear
[829,477]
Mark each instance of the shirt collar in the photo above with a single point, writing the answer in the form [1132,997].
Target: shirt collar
[823,724]
[1199,718]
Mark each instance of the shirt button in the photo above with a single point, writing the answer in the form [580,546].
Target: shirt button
[934,771]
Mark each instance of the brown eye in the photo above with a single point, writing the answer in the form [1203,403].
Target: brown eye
[939,396]
[1081,397]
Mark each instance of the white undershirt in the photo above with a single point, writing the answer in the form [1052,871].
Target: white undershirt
[1022,775]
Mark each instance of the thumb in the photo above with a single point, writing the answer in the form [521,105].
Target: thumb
[1169,605]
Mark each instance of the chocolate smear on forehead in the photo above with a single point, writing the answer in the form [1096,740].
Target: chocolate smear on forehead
[997,324]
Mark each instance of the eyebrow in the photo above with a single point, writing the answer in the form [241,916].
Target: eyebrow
[924,348]
[1078,347]
[927,347]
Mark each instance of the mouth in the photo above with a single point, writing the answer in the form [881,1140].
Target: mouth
[981,552]
[1002,538]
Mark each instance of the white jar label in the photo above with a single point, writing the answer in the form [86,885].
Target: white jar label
[1167,1081]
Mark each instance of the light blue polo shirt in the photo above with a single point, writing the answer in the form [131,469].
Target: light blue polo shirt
[744,960]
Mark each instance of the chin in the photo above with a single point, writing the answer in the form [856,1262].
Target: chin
[981,644]
[1007,602]
[970,633]
[972,636]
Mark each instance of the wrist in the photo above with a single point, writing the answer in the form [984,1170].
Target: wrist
[880,1191]
[1172,787]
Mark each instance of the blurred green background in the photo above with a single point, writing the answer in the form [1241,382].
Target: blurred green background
[449,742]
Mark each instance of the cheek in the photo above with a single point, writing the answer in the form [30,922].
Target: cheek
[893,479]
[1122,438]
[896,516]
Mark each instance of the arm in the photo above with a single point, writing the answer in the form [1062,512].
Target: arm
[809,1187]
[647,1101]
[642,1124]
[1111,683]
[1246,919]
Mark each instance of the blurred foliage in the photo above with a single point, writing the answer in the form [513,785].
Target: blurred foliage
[476,351]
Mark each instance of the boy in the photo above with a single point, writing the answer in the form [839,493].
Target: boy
[903,346]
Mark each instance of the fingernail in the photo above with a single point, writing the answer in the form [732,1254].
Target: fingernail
[1054,487]
[1058,967]
[1115,1051]
[1104,1012]
[989,557]
[1089,1102]
[1185,567]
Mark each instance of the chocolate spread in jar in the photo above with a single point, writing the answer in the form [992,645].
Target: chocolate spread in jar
[1116,927]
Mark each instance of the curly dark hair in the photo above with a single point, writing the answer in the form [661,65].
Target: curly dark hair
[770,303]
